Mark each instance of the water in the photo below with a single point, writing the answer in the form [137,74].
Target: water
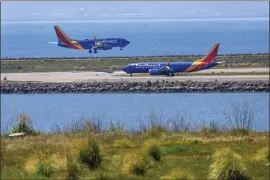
[147,37]
[47,110]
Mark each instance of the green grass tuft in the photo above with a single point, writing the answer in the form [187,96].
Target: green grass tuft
[91,155]
[228,165]
[155,152]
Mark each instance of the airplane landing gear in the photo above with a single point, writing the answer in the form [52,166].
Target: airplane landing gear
[170,74]
[95,51]
[90,51]
[130,74]
[121,49]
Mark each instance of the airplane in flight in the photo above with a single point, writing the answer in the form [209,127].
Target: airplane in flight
[169,69]
[92,45]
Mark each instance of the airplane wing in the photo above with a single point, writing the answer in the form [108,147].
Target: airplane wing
[166,68]
[98,44]
[95,39]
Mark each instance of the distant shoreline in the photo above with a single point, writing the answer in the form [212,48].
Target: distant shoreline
[129,57]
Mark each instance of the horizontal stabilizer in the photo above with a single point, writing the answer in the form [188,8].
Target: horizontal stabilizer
[221,62]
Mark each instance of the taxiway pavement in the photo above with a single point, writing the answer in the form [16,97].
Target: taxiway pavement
[120,76]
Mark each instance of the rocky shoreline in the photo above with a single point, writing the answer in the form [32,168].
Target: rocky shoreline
[135,87]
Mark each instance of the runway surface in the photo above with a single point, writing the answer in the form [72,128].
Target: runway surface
[119,76]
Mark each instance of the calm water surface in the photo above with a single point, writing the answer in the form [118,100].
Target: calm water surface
[146,37]
[47,110]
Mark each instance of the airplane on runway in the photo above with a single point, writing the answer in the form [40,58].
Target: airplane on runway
[169,69]
[95,44]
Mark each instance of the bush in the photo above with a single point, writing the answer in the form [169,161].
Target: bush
[213,128]
[45,168]
[91,125]
[139,169]
[241,118]
[178,124]
[73,169]
[118,127]
[196,142]
[228,165]
[24,124]
[91,155]
[262,155]
[155,153]
[136,164]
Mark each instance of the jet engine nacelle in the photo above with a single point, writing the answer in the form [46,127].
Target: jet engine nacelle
[155,72]
[107,47]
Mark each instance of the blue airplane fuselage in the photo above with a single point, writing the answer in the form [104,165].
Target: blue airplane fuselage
[174,66]
[108,43]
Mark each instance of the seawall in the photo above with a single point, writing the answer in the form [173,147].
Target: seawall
[135,87]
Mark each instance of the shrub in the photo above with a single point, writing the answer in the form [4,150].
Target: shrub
[73,170]
[24,124]
[178,123]
[93,124]
[241,118]
[45,168]
[139,169]
[213,127]
[90,155]
[136,164]
[119,127]
[155,152]
[262,155]
[156,124]
[228,165]
[196,141]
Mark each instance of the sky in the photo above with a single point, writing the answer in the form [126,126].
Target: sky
[92,10]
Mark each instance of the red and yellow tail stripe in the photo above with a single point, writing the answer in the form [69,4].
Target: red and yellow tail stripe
[199,64]
[65,39]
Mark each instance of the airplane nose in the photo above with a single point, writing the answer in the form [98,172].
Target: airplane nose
[127,42]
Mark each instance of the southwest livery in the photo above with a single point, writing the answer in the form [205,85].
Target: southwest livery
[92,45]
[169,69]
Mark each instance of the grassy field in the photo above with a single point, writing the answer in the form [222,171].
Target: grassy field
[49,65]
[87,150]
[182,154]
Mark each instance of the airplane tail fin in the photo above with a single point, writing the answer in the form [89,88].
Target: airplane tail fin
[212,54]
[62,37]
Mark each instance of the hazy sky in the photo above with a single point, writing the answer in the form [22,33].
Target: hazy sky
[119,10]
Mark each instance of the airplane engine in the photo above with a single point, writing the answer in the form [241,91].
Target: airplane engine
[107,47]
[155,72]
